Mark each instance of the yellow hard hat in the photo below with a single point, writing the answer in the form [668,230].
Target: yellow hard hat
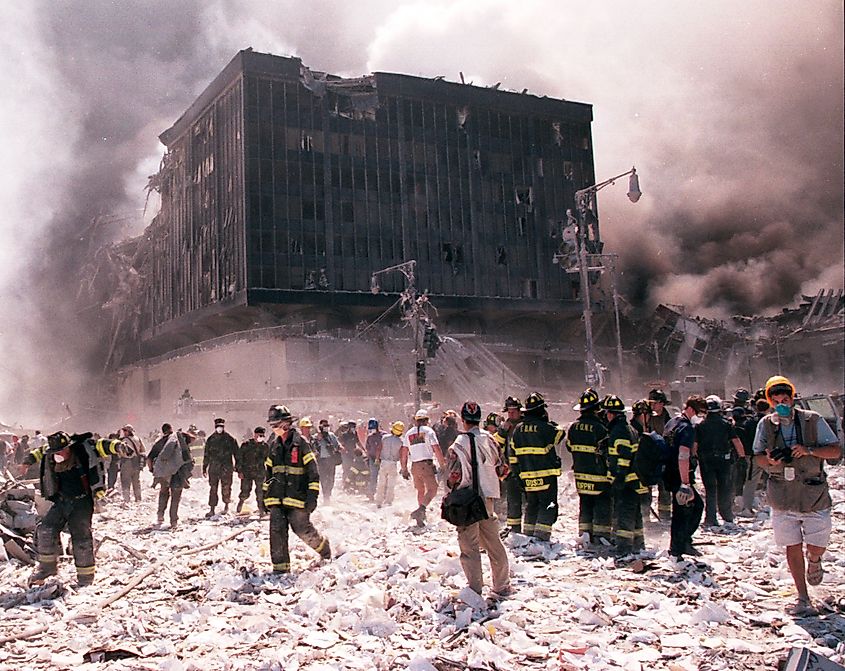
[779,383]
[397,428]
[306,423]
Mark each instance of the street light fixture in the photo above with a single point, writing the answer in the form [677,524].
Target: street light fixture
[583,200]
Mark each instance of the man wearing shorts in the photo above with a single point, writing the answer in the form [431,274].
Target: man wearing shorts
[791,445]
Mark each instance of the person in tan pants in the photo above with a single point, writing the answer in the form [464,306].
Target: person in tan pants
[483,534]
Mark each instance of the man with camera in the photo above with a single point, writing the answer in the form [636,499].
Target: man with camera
[791,445]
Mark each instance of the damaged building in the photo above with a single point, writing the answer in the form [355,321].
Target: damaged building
[284,189]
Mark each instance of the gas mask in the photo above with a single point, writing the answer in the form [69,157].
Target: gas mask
[783,410]
[259,439]
[218,429]
[695,420]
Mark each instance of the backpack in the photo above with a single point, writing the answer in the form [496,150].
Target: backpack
[170,459]
[652,456]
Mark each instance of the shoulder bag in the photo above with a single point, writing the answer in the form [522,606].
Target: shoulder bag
[465,506]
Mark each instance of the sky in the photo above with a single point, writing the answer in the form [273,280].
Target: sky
[731,112]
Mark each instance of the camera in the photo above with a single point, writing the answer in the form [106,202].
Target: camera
[782,453]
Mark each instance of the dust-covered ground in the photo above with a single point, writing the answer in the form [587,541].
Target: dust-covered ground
[391,599]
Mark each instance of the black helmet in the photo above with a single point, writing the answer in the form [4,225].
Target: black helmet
[658,396]
[259,430]
[57,441]
[534,403]
[741,396]
[512,402]
[613,403]
[641,407]
[471,412]
[760,393]
[589,400]
[493,419]
[278,414]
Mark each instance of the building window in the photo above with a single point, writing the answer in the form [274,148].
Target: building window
[501,256]
[529,289]
[522,226]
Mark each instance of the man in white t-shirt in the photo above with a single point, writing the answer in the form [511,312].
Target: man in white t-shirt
[420,444]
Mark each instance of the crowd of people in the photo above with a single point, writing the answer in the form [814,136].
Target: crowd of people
[511,459]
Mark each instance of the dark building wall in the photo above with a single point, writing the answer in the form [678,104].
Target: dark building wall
[283,185]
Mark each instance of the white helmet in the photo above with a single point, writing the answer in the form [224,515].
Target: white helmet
[422,413]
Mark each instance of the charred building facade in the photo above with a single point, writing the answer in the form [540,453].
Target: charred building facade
[286,188]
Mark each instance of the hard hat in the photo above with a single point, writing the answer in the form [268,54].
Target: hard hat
[613,403]
[471,412]
[714,403]
[534,403]
[778,384]
[512,402]
[278,414]
[129,427]
[57,441]
[641,407]
[422,413]
[657,396]
[259,430]
[589,400]
[306,423]
[372,423]
[397,428]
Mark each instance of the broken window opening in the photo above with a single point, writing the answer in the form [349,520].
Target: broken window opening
[522,225]
[306,143]
[523,195]
[501,256]
[529,289]
[462,116]
[447,252]
[540,167]
[295,246]
[556,134]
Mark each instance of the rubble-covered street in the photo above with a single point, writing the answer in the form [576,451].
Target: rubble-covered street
[202,597]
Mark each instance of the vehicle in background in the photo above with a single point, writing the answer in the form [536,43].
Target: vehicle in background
[828,407]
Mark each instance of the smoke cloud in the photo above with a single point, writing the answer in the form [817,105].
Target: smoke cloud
[731,112]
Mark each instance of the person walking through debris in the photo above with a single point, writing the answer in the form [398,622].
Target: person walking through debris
[218,463]
[250,464]
[291,487]
[716,439]
[171,464]
[388,458]
[679,478]
[622,443]
[133,454]
[511,484]
[536,463]
[657,422]
[421,447]
[22,449]
[485,533]
[347,435]
[586,440]
[791,445]
[71,477]
[372,445]
[756,473]
[327,449]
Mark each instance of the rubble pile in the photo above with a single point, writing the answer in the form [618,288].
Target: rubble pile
[18,517]
[203,597]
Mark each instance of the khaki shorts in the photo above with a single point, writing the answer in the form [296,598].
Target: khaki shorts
[791,528]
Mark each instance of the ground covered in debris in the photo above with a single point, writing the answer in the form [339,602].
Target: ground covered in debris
[202,597]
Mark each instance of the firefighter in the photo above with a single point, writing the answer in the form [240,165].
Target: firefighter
[622,446]
[291,487]
[511,484]
[657,422]
[249,464]
[218,463]
[535,461]
[587,442]
[72,477]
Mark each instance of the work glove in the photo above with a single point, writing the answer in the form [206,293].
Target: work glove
[684,496]
[310,504]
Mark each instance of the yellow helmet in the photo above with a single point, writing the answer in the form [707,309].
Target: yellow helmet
[778,384]
[397,428]
[306,423]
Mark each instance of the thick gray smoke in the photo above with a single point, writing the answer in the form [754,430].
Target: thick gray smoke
[735,125]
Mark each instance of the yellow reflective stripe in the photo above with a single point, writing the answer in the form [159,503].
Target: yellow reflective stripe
[512,459]
[84,570]
[533,450]
[37,454]
[624,534]
[559,436]
[308,458]
[291,502]
[272,501]
[539,488]
[320,547]
[543,527]
[514,520]
[623,462]
[47,559]
[575,447]
[586,477]
[314,485]
[526,475]
[601,527]
[612,451]
[500,440]
[630,477]
[284,566]
[621,442]
[268,462]
[292,470]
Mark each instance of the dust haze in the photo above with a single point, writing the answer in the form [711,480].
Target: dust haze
[731,112]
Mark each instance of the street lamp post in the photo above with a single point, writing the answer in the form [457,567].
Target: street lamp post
[409,297]
[583,199]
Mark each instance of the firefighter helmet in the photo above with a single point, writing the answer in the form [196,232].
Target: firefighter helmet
[714,403]
[471,412]
[397,428]
[657,396]
[613,403]
[778,384]
[372,424]
[641,407]
[534,403]
[511,402]
[493,419]
[741,396]
[589,401]
[219,421]
[57,441]
[278,414]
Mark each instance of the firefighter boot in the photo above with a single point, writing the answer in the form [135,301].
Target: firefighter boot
[40,574]
[225,508]
[84,575]
[210,513]
[240,506]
